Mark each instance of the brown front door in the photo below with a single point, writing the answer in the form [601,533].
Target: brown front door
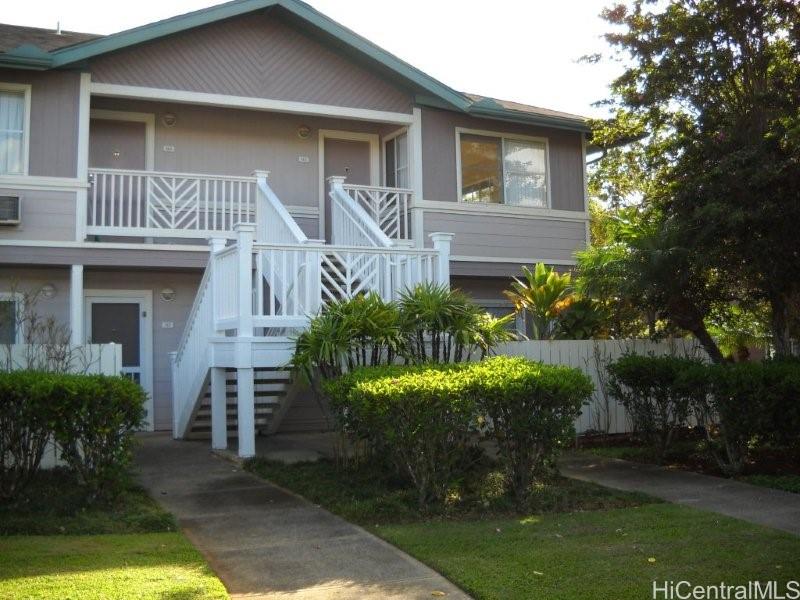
[349,158]
[117,144]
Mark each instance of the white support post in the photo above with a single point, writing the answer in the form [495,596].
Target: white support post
[76,305]
[334,182]
[246,412]
[441,243]
[175,416]
[82,165]
[245,383]
[215,245]
[219,409]
[244,242]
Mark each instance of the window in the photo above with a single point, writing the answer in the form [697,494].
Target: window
[396,155]
[13,118]
[9,318]
[500,170]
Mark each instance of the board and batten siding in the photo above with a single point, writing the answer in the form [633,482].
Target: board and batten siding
[256,55]
[439,156]
[55,96]
[512,237]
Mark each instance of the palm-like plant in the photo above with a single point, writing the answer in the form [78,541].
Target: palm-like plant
[359,331]
[432,317]
[541,293]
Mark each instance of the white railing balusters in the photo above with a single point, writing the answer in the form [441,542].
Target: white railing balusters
[149,204]
[388,207]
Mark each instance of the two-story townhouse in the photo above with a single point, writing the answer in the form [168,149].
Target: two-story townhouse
[296,158]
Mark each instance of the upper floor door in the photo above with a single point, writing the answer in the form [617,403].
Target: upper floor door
[349,158]
[117,144]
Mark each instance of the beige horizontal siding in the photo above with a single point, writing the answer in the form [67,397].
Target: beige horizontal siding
[517,237]
[46,215]
[55,97]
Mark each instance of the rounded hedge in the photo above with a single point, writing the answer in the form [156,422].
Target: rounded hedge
[427,416]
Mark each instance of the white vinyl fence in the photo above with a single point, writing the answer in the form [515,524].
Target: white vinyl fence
[96,359]
[603,414]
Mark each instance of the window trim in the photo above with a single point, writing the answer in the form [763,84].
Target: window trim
[17,298]
[503,137]
[26,122]
[388,138]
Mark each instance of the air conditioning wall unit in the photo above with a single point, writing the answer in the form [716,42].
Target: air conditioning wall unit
[10,210]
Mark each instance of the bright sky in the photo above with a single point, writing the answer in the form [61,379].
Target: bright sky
[521,50]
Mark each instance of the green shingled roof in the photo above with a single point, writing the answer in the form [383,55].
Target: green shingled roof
[430,91]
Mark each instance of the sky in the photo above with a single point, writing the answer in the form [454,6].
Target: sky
[520,50]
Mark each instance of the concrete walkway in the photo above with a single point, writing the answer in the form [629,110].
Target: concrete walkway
[755,504]
[266,543]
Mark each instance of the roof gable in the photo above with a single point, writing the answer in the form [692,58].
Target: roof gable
[429,91]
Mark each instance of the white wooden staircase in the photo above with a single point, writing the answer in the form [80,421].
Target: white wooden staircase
[229,372]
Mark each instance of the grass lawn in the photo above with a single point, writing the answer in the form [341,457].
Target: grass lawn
[598,555]
[54,545]
[580,541]
[151,565]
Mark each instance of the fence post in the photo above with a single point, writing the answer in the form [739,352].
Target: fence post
[441,243]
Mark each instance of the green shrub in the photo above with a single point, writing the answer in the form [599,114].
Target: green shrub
[99,416]
[656,401]
[25,427]
[422,415]
[426,417]
[532,410]
[745,404]
[90,417]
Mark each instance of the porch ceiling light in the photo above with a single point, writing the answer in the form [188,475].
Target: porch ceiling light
[167,294]
[169,119]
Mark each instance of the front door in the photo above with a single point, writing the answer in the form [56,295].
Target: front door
[117,144]
[123,317]
[349,158]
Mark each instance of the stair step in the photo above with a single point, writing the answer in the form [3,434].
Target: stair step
[233,396]
[206,416]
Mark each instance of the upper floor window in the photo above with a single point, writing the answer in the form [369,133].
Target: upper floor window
[396,155]
[503,170]
[13,121]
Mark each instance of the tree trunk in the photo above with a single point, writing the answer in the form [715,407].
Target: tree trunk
[779,323]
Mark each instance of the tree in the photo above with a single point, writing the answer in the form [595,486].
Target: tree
[716,84]
[644,272]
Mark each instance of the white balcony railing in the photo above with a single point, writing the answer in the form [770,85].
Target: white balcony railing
[152,204]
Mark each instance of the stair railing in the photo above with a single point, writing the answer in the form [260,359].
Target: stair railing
[387,206]
[190,361]
[274,224]
[351,225]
